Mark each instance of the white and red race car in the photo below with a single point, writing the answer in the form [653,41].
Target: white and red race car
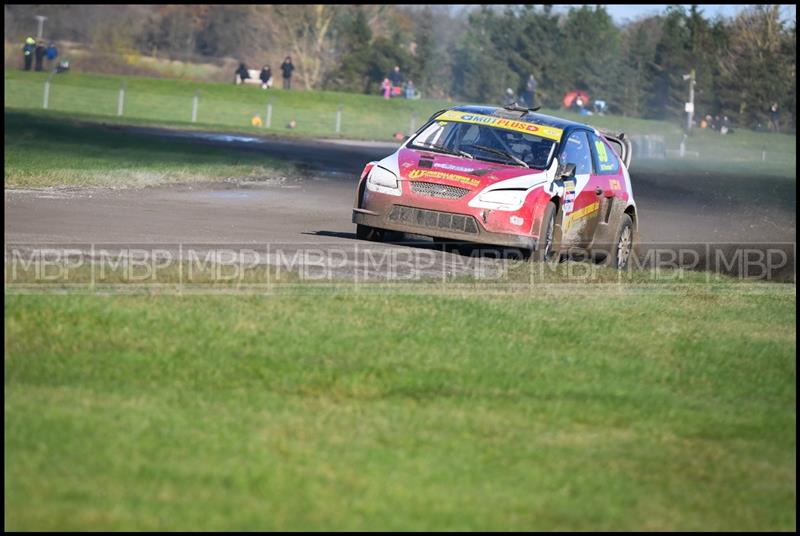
[508,177]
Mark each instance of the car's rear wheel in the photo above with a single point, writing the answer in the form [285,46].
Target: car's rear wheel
[545,248]
[620,255]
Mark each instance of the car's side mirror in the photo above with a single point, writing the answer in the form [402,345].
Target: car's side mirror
[568,171]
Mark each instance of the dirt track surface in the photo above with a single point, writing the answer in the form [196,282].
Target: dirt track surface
[314,213]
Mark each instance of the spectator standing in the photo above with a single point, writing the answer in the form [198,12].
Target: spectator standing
[38,55]
[410,90]
[52,54]
[386,86]
[530,91]
[266,77]
[774,116]
[27,52]
[287,67]
[242,74]
[395,77]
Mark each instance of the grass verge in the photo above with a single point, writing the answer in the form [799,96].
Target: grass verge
[42,151]
[349,411]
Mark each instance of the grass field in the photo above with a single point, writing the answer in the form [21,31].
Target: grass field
[676,411]
[165,101]
[51,149]
[41,151]
[225,106]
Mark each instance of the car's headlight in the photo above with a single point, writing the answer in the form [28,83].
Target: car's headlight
[510,198]
[383,177]
[384,181]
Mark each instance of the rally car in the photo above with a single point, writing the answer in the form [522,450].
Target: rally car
[508,177]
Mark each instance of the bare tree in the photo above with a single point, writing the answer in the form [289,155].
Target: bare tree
[305,30]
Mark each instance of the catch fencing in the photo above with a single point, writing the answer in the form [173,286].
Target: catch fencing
[206,107]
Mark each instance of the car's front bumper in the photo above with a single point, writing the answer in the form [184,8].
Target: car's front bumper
[440,224]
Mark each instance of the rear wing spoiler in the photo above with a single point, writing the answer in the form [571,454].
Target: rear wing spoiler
[621,143]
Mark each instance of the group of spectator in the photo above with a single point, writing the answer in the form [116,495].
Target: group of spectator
[34,53]
[392,86]
[265,76]
[716,122]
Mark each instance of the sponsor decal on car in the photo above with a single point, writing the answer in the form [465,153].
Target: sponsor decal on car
[580,213]
[500,122]
[452,167]
[606,164]
[614,184]
[516,220]
[569,198]
[431,174]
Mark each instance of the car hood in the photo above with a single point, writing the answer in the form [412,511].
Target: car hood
[428,166]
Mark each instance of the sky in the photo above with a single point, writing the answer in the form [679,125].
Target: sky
[622,12]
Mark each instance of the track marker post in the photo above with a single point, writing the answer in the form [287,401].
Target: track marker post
[46,99]
[268,122]
[121,99]
[195,103]
[412,125]
[339,118]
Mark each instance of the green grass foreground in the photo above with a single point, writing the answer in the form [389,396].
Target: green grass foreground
[578,411]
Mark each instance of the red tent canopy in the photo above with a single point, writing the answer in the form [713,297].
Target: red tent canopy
[570,97]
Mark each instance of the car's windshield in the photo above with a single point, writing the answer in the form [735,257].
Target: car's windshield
[484,142]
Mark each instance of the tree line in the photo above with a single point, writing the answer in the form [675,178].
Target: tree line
[743,64]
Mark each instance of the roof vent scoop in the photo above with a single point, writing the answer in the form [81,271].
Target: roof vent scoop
[516,107]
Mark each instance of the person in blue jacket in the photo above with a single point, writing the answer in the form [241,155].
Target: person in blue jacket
[51,54]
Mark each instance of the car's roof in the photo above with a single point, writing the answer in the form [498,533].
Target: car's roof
[533,117]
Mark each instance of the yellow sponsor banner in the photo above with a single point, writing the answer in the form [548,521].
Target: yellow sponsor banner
[501,122]
[582,213]
[430,174]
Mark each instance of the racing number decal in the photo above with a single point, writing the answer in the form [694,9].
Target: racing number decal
[601,150]
[602,154]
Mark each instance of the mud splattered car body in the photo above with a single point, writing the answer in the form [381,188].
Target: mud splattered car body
[507,177]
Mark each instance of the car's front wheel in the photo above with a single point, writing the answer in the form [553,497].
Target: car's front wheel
[365,232]
[546,246]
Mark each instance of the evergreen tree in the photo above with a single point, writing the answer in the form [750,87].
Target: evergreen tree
[669,90]
[352,72]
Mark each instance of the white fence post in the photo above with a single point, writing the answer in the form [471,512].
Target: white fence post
[121,99]
[194,105]
[412,125]
[339,119]
[46,101]
[268,122]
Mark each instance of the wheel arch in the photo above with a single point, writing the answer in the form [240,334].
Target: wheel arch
[630,210]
